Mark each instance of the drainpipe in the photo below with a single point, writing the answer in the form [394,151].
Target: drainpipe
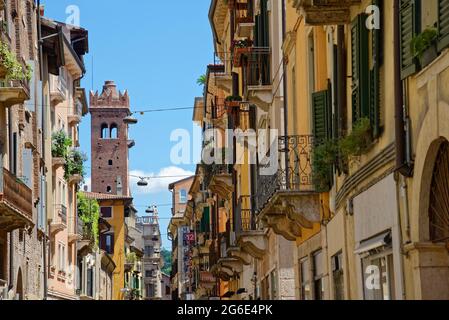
[41,69]
[285,76]
[11,235]
[402,165]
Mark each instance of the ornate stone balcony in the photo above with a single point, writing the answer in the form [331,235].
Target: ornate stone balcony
[16,204]
[219,180]
[14,92]
[288,201]
[325,12]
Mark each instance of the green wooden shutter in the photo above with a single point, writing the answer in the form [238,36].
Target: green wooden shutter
[360,68]
[443,24]
[409,21]
[321,120]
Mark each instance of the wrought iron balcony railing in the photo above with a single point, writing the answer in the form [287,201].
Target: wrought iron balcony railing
[257,67]
[215,169]
[244,218]
[61,211]
[295,173]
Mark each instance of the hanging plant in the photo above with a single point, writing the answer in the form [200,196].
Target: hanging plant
[324,157]
[13,69]
[74,164]
[89,214]
[358,141]
[60,144]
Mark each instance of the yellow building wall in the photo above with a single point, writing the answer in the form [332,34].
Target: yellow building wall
[117,223]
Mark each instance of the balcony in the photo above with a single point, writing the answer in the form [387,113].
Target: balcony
[221,70]
[325,12]
[58,89]
[58,162]
[288,201]
[248,238]
[243,17]
[16,203]
[218,178]
[75,179]
[74,118]
[59,223]
[257,77]
[14,92]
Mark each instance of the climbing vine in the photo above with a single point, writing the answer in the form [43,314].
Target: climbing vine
[89,214]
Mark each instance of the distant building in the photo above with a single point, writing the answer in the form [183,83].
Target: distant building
[152,259]
[166,287]
[179,233]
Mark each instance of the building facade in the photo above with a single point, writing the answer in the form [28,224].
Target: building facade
[152,258]
[344,197]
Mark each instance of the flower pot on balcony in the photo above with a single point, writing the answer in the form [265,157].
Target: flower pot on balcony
[429,55]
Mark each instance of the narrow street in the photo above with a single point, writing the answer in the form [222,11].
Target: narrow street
[224,150]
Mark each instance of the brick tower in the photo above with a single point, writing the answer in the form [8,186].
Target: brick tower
[109,140]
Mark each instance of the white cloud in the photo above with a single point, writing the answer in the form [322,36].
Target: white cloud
[155,185]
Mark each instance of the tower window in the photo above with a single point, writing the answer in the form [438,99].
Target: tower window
[104,131]
[110,162]
[114,131]
[108,189]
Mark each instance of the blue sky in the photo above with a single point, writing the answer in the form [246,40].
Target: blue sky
[156,50]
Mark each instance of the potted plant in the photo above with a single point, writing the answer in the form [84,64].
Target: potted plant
[233,102]
[358,141]
[240,47]
[423,46]
[324,157]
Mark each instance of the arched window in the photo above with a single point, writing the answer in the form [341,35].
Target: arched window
[182,196]
[439,197]
[114,131]
[108,189]
[104,131]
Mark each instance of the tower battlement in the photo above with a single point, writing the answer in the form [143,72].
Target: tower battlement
[109,97]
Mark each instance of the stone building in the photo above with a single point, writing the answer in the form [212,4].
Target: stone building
[22,193]
[152,259]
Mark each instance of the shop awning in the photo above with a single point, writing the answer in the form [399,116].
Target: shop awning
[374,243]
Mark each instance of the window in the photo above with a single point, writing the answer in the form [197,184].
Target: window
[149,250]
[378,276]
[338,277]
[304,267]
[106,212]
[366,59]
[167,290]
[109,189]
[110,162]
[114,131]
[148,273]
[109,243]
[318,273]
[104,131]
[182,196]
[61,253]
[90,282]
